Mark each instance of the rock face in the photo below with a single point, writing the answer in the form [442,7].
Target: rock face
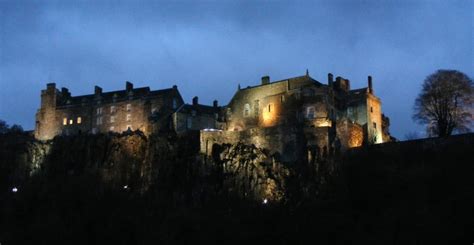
[168,163]
[131,189]
[252,173]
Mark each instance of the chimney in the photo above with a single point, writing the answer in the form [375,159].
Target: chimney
[330,78]
[65,92]
[97,90]
[51,86]
[175,87]
[195,100]
[265,80]
[128,86]
[215,104]
[369,80]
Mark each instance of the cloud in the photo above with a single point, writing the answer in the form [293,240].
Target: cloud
[207,48]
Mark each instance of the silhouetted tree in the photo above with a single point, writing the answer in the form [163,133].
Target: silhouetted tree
[15,128]
[4,128]
[445,103]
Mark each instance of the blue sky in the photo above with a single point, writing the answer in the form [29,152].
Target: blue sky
[208,47]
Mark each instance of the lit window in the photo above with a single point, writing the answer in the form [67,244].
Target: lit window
[310,112]
[99,110]
[112,109]
[79,120]
[99,121]
[112,119]
[129,117]
[246,110]
[71,121]
[129,107]
[65,121]
[112,128]
[175,103]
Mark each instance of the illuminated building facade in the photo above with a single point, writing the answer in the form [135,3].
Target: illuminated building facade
[331,114]
[131,109]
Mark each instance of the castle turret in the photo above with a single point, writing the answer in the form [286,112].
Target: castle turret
[265,80]
[46,126]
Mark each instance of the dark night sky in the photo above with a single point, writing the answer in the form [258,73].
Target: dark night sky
[207,48]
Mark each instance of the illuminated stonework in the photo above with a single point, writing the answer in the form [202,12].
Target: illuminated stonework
[331,114]
[118,111]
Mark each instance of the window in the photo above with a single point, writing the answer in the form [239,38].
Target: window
[65,121]
[216,116]
[98,121]
[256,107]
[371,109]
[99,110]
[270,107]
[71,121]
[282,98]
[129,117]
[175,103]
[310,112]
[79,120]
[113,109]
[189,122]
[193,113]
[129,107]
[112,128]
[112,119]
[94,130]
[129,127]
[246,110]
[375,125]
[153,110]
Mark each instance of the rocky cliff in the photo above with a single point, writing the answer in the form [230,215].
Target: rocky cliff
[129,189]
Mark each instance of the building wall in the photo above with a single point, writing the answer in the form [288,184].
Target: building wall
[186,121]
[374,119]
[93,114]
[46,125]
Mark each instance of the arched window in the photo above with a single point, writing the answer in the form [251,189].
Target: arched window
[247,110]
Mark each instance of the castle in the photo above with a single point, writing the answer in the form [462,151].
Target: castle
[275,115]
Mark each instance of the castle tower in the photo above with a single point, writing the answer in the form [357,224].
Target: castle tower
[46,124]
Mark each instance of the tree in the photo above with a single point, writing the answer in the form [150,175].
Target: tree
[445,103]
[4,128]
[17,129]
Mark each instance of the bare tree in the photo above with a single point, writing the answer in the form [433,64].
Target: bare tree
[445,103]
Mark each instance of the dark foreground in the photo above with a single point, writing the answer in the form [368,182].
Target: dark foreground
[88,191]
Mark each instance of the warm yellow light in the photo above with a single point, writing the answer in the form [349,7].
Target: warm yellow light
[268,114]
[79,120]
[64,121]
[70,121]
